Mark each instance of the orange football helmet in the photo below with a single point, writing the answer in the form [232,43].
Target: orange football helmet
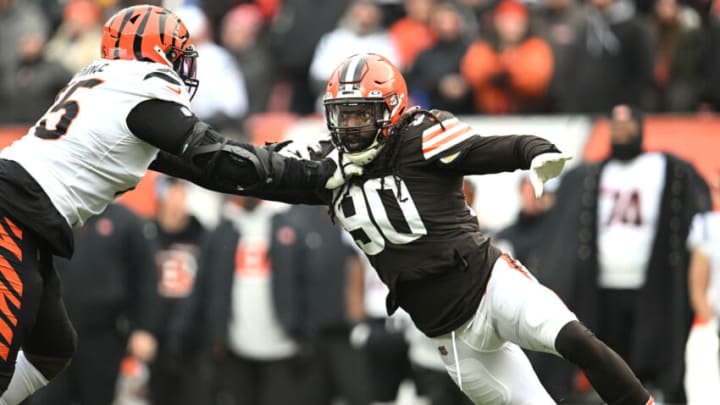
[152,34]
[365,96]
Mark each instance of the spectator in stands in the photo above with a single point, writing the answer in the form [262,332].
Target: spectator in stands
[317,280]
[435,77]
[412,33]
[75,43]
[710,98]
[257,362]
[242,30]
[360,30]
[561,23]
[217,10]
[29,87]
[678,58]
[509,72]
[478,15]
[109,290]
[222,101]
[176,376]
[17,18]
[620,255]
[613,60]
[295,33]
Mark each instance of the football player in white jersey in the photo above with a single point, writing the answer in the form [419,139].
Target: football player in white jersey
[118,116]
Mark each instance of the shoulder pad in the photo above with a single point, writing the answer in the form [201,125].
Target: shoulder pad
[444,135]
[147,79]
[165,84]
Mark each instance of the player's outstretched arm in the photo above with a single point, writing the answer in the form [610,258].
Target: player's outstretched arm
[456,145]
[252,167]
[178,167]
[507,153]
[193,150]
[503,153]
[494,154]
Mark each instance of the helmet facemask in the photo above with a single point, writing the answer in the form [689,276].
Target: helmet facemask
[357,126]
[364,98]
[185,65]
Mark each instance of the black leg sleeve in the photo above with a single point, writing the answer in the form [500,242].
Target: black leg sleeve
[607,371]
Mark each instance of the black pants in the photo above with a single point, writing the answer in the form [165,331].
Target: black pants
[182,378]
[618,320]
[617,329]
[241,381]
[337,370]
[91,377]
[32,314]
[387,354]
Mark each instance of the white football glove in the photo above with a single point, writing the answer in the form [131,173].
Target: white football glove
[544,167]
[301,148]
[343,170]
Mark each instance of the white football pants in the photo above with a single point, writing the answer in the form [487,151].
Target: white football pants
[484,357]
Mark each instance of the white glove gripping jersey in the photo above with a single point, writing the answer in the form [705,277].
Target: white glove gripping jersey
[81,151]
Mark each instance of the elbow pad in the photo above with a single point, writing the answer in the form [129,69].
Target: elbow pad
[244,165]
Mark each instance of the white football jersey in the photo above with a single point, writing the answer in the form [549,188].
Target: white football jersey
[81,151]
[628,213]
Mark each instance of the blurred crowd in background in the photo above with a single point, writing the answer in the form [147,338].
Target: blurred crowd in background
[468,56]
[272,305]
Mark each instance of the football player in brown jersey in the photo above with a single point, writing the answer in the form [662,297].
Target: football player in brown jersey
[402,201]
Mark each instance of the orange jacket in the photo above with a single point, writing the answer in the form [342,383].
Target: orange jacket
[528,68]
[411,37]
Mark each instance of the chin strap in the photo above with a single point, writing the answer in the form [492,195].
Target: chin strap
[366,156]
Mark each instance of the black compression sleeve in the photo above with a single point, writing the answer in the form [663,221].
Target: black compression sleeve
[608,373]
[175,166]
[163,124]
[304,174]
[281,172]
